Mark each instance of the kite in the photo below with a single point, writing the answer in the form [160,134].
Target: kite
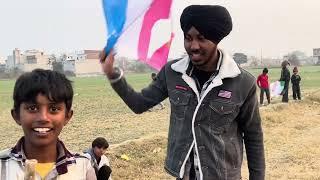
[139,29]
[276,88]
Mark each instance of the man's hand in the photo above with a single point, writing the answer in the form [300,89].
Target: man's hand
[107,62]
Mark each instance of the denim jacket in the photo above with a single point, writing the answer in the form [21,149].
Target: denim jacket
[217,123]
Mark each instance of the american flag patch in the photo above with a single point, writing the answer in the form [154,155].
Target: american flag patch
[224,94]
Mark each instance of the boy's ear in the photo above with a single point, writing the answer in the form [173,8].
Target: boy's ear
[68,117]
[15,116]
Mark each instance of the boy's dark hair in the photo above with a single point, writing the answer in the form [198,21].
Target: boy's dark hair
[50,83]
[265,70]
[100,142]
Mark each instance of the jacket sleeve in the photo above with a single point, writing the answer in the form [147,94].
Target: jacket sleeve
[250,124]
[150,96]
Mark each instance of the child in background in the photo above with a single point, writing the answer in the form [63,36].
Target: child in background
[295,80]
[42,107]
[99,161]
[263,84]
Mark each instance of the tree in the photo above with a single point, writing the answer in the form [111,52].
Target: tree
[254,61]
[240,58]
[57,63]
[57,66]
[294,60]
[295,57]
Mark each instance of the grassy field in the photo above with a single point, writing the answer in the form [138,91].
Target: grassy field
[291,130]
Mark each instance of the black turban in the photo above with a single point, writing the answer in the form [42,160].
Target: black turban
[212,21]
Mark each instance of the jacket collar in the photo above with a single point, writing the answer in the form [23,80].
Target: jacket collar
[228,68]
[63,160]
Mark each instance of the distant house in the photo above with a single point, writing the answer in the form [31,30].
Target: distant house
[10,63]
[32,59]
[27,61]
[2,64]
[316,54]
[2,60]
[83,63]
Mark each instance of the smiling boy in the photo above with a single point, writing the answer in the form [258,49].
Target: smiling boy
[42,107]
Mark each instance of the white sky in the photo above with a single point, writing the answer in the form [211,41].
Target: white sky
[273,27]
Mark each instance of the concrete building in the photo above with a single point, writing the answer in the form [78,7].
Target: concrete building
[83,63]
[33,59]
[316,54]
[2,60]
[2,64]
[10,63]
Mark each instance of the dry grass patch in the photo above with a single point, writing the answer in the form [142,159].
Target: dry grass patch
[291,133]
[146,158]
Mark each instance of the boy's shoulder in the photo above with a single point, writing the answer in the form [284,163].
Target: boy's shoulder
[81,156]
[5,154]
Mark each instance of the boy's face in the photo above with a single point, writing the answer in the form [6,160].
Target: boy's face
[99,151]
[42,121]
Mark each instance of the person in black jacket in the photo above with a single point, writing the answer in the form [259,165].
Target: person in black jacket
[295,80]
[213,102]
[285,77]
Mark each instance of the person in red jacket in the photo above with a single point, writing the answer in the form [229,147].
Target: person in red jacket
[263,84]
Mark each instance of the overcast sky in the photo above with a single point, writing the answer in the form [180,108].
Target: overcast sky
[271,28]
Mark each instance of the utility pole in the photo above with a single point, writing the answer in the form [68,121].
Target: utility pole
[261,56]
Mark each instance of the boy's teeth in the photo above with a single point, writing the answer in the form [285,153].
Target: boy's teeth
[41,130]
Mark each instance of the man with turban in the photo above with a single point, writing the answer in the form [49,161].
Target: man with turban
[214,108]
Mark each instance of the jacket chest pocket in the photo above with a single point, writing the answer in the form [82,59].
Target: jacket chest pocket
[179,104]
[221,115]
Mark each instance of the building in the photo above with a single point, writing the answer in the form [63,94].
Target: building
[316,54]
[83,63]
[2,60]
[29,60]
[10,63]
[33,59]
[2,64]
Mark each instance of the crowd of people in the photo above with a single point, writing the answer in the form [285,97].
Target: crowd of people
[264,85]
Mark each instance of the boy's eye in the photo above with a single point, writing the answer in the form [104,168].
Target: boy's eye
[54,109]
[32,108]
